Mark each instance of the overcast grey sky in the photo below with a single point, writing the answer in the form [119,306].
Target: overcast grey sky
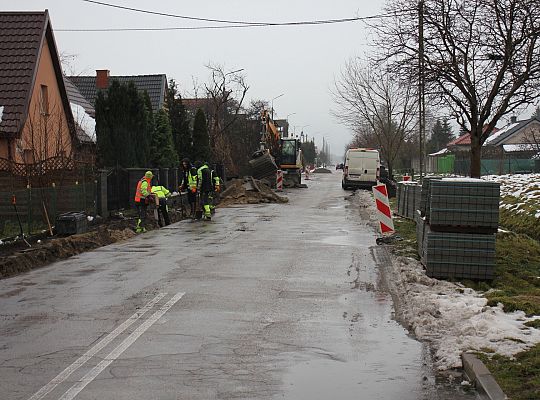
[298,61]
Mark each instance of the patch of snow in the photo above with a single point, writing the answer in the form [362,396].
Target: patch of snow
[1,112]
[497,134]
[455,319]
[85,121]
[464,179]
[439,153]
[510,148]
[524,189]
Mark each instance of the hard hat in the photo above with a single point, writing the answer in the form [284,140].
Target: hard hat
[148,174]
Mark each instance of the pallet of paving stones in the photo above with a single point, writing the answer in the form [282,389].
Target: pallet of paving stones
[399,199]
[462,205]
[458,255]
[408,199]
[421,227]
[424,196]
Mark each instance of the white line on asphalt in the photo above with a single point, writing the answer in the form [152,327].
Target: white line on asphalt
[62,376]
[113,355]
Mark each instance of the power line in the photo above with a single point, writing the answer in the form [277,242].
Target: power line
[210,27]
[139,10]
[230,24]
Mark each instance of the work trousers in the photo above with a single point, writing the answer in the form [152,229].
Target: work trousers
[205,202]
[163,212]
[141,212]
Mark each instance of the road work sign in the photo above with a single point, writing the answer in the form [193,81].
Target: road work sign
[384,213]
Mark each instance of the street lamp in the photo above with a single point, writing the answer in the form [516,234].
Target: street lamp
[287,123]
[277,97]
[234,72]
[302,130]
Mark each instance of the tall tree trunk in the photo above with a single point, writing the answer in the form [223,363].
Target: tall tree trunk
[476,153]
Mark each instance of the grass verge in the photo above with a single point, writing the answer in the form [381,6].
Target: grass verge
[519,378]
[523,222]
[516,286]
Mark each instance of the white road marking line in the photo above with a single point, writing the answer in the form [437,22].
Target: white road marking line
[113,355]
[62,376]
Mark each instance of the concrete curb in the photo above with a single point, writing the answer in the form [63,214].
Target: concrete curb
[480,375]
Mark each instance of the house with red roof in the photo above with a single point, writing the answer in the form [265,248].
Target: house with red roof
[513,148]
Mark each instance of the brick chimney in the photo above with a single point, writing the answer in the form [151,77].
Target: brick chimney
[102,79]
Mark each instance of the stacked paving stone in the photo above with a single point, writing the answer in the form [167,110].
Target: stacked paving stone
[456,228]
[408,198]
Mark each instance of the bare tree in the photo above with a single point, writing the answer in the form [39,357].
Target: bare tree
[377,107]
[532,136]
[481,58]
[226,92]
[46,143]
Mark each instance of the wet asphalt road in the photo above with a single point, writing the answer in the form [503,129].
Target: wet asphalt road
[264,302]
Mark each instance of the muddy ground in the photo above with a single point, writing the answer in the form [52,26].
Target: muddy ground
[17,257]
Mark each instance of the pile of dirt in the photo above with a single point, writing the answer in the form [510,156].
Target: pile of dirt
[60,248]
[321,171]
[249,191]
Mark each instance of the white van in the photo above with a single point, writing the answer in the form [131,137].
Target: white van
[362,168]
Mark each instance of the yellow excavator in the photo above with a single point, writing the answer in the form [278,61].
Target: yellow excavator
[277,152]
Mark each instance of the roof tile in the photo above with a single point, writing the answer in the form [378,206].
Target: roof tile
[20,39]
[154,85]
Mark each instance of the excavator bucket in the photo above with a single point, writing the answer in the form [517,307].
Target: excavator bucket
[263,165]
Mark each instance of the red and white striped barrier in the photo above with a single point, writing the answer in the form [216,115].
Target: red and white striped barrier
[279,180]
[384,213]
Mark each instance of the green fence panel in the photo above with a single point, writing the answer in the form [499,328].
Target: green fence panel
[445,164]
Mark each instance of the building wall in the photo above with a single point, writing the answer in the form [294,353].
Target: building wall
[4,153]
[44,135]
[526,134]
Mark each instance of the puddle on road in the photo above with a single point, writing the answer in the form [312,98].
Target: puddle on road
[369,379]
[326,379]
[341,240]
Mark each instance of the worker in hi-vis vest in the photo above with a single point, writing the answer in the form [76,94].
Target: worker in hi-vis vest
[214,195]
[205,187]
[163,210]
[192,190]
[143,194]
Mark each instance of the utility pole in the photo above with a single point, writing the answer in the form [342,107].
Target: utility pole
[421,84]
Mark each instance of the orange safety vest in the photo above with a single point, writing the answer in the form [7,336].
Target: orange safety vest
[138,193]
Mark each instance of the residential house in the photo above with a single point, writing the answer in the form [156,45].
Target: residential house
[454,158]
[36,122]
[515,147]
[154,85]
[84,115]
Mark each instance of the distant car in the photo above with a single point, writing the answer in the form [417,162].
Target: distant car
[339,166]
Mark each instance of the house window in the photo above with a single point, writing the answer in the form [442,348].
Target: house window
[44,100]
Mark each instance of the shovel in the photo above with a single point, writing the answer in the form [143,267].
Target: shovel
[21,234]
[198,208]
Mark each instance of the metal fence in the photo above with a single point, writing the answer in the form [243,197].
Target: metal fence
[32,209]
[497,167]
